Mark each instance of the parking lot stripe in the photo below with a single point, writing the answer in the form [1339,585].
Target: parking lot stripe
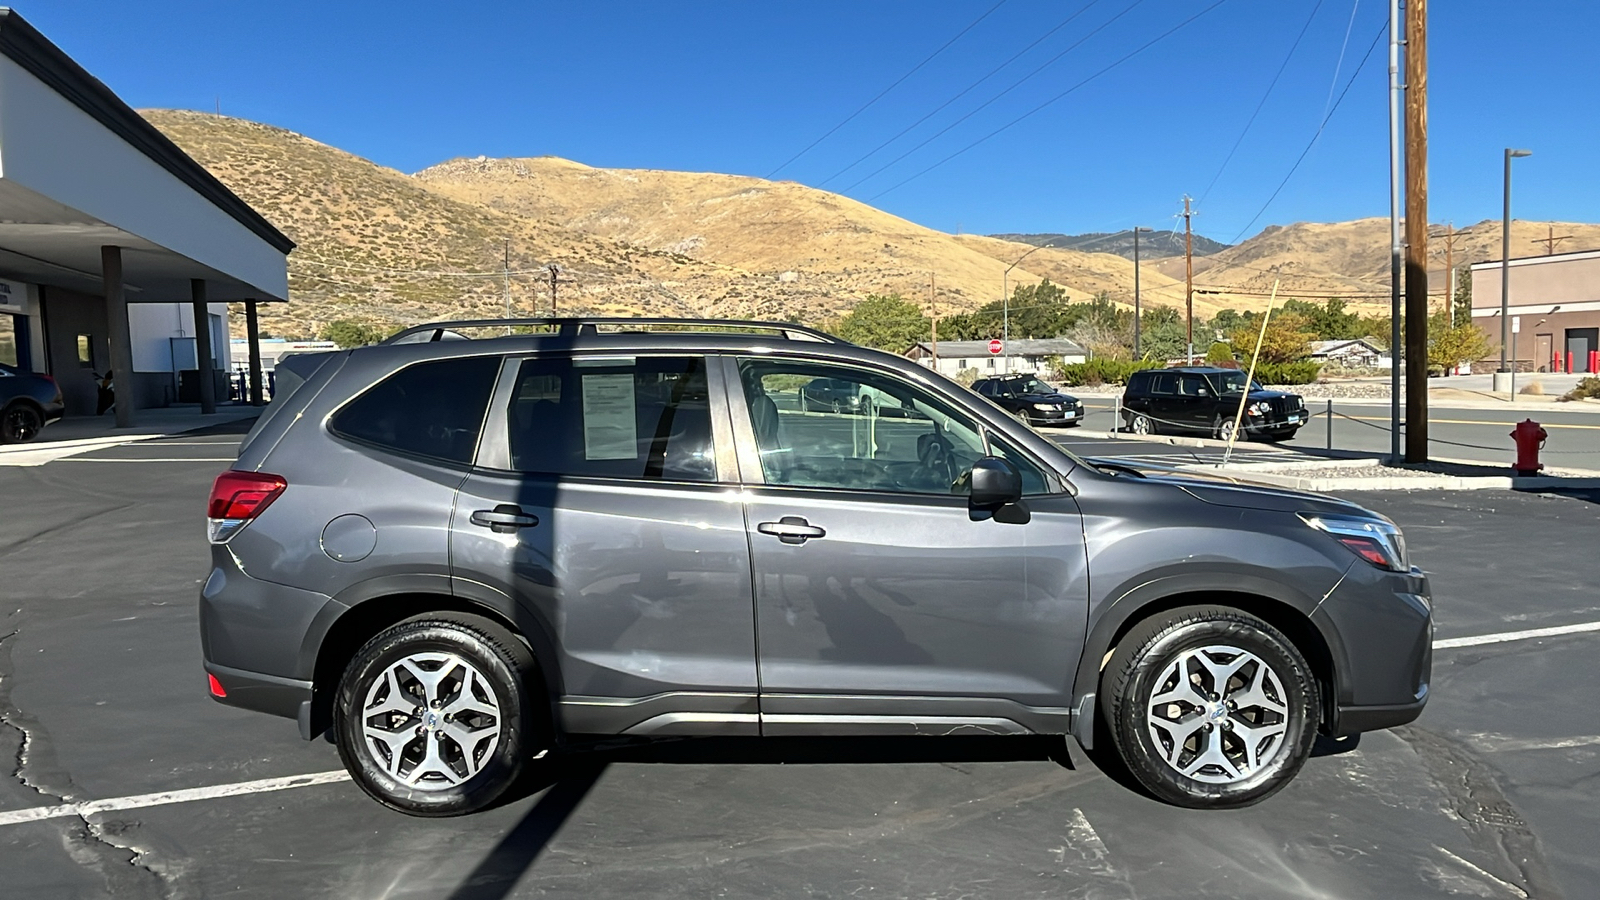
[1504,636]
[140,801]
[154,459]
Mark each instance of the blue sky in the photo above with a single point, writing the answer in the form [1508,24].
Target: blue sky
[742,87]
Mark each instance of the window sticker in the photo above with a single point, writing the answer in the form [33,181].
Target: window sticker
[610,429]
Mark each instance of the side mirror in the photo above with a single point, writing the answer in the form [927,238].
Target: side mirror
[1201,392]
[994,482]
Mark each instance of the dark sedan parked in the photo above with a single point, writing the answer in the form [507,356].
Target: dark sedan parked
[1031,400]
[28,403]
[1206,400]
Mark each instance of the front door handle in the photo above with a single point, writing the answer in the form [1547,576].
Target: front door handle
[791,530]
[505,518]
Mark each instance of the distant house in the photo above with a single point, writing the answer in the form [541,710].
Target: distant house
[1033,357]
[1357,352]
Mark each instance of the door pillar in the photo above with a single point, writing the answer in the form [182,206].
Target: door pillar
[202,347]
[120,339]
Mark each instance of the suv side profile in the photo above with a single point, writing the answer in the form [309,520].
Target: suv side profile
[458,555]
[1205,400]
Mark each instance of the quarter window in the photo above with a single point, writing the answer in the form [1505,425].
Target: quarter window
[645,418]
[432,409]
[894,438]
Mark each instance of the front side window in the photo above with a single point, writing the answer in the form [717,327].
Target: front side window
[433,409]
[1164,383]
[639,418]
[1233,382]
[898,438]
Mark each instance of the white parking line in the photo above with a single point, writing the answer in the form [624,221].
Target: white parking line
[154,459]
[1504,636]
[90,807]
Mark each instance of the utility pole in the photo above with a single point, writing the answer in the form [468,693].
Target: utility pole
[933,312]
[507,271]
[1137,314]
[1551,241]
[1416,231]
[1188,274]
[1450,269]
[1395,92]
[555,272]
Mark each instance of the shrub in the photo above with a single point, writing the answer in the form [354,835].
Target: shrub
[1532,389]
[1301,372]
[1219,354]
[1588,388]
[1102,370]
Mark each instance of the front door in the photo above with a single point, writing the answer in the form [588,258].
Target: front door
[883,602]
[599,505]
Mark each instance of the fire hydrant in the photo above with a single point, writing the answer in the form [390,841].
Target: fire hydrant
[1529,438]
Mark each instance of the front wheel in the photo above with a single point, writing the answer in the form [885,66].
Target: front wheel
[435,716]
[1224,429]
[1210,707]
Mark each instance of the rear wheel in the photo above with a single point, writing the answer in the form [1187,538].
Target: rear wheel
[1210,707]
[435,716]
[20,423]
[1141,424]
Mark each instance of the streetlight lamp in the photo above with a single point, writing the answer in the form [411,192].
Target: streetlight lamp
[1505,379]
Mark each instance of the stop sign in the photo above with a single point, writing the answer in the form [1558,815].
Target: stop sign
[994,346]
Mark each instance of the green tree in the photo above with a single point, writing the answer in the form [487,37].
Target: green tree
[1287,338]
[1329,321]
[349,333]
[1450,347]
[1463,297]
[1164,339]
[1227,320]
[886,322]
[1219,354]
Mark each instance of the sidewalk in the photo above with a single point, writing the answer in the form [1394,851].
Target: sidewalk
[80,434]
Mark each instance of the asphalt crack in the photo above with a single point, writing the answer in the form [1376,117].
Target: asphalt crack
[1498,832]
[94,845]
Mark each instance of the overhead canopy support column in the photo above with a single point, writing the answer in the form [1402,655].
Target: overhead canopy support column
[202,346]
[120,338]
[253,329]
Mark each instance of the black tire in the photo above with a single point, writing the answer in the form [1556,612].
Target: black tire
[19,423]
[1148,663]
[1134,420]
[1224,421]
[507,670]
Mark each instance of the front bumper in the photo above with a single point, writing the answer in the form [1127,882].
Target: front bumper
[1059,416]
[1379,626]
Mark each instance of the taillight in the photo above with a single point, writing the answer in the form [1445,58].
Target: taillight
[217,690]
[238,497]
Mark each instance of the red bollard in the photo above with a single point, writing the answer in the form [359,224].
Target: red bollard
[1594,361]
[1529,438]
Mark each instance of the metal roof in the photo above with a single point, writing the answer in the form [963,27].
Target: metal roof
[1014,347]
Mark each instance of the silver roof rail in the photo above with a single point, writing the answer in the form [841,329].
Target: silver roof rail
[575,326]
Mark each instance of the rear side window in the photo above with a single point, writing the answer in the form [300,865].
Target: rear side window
[1139,383]
[646,418]
[1164,383]
[432,409]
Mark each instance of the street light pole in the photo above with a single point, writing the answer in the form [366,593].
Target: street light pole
[1503,379]
[1005,304]
[1136,310]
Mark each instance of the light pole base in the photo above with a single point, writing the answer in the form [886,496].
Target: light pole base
[1502,382]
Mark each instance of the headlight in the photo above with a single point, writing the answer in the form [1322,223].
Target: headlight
[1375,540]
[1258,408]
[1044,406]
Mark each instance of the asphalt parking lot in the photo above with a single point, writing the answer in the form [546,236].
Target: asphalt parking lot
[1494,792]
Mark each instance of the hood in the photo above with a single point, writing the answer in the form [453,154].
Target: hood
[1053,397]
[1268,395]
[1232,491]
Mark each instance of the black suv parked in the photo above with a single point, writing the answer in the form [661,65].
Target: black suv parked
[1031,400]
[1206,400]
[462,556]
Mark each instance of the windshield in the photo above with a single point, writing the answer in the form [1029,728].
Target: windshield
[1032,386]
[1233,382]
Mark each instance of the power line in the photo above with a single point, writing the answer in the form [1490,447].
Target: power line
[886,90]
[1314,137]
[1142,47]
[963,93]
[1018,83]
[1240,140]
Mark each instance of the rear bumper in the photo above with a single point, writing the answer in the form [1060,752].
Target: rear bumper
[262,693]
[1356,719]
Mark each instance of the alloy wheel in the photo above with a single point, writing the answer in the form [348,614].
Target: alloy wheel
[20,425]
[431,721]
[1141,425]
[1218,714]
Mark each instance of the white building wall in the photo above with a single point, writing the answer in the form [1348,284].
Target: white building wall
[152,326]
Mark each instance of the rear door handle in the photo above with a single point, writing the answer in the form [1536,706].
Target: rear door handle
[505,518]
[791,530]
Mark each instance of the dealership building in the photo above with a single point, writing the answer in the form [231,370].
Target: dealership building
[1554,309]
[118,252]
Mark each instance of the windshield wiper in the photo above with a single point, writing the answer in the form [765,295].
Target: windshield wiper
[1111,468]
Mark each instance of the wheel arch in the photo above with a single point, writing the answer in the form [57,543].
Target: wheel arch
[359,622]
[1278,611]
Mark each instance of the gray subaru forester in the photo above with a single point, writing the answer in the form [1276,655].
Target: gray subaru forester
[458,554]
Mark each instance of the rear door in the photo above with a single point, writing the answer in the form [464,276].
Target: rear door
[884,603]
[601,505]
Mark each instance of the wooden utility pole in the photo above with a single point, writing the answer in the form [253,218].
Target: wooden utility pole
[933,312]
[555,273]
[507,271]
[1416,136]
[1188,274]
[1550,241]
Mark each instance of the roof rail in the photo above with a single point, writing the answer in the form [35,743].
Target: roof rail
[575,326]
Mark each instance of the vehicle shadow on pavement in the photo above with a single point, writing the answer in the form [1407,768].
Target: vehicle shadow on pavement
[497,874]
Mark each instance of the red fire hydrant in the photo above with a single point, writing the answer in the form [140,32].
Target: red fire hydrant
[1529,438]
